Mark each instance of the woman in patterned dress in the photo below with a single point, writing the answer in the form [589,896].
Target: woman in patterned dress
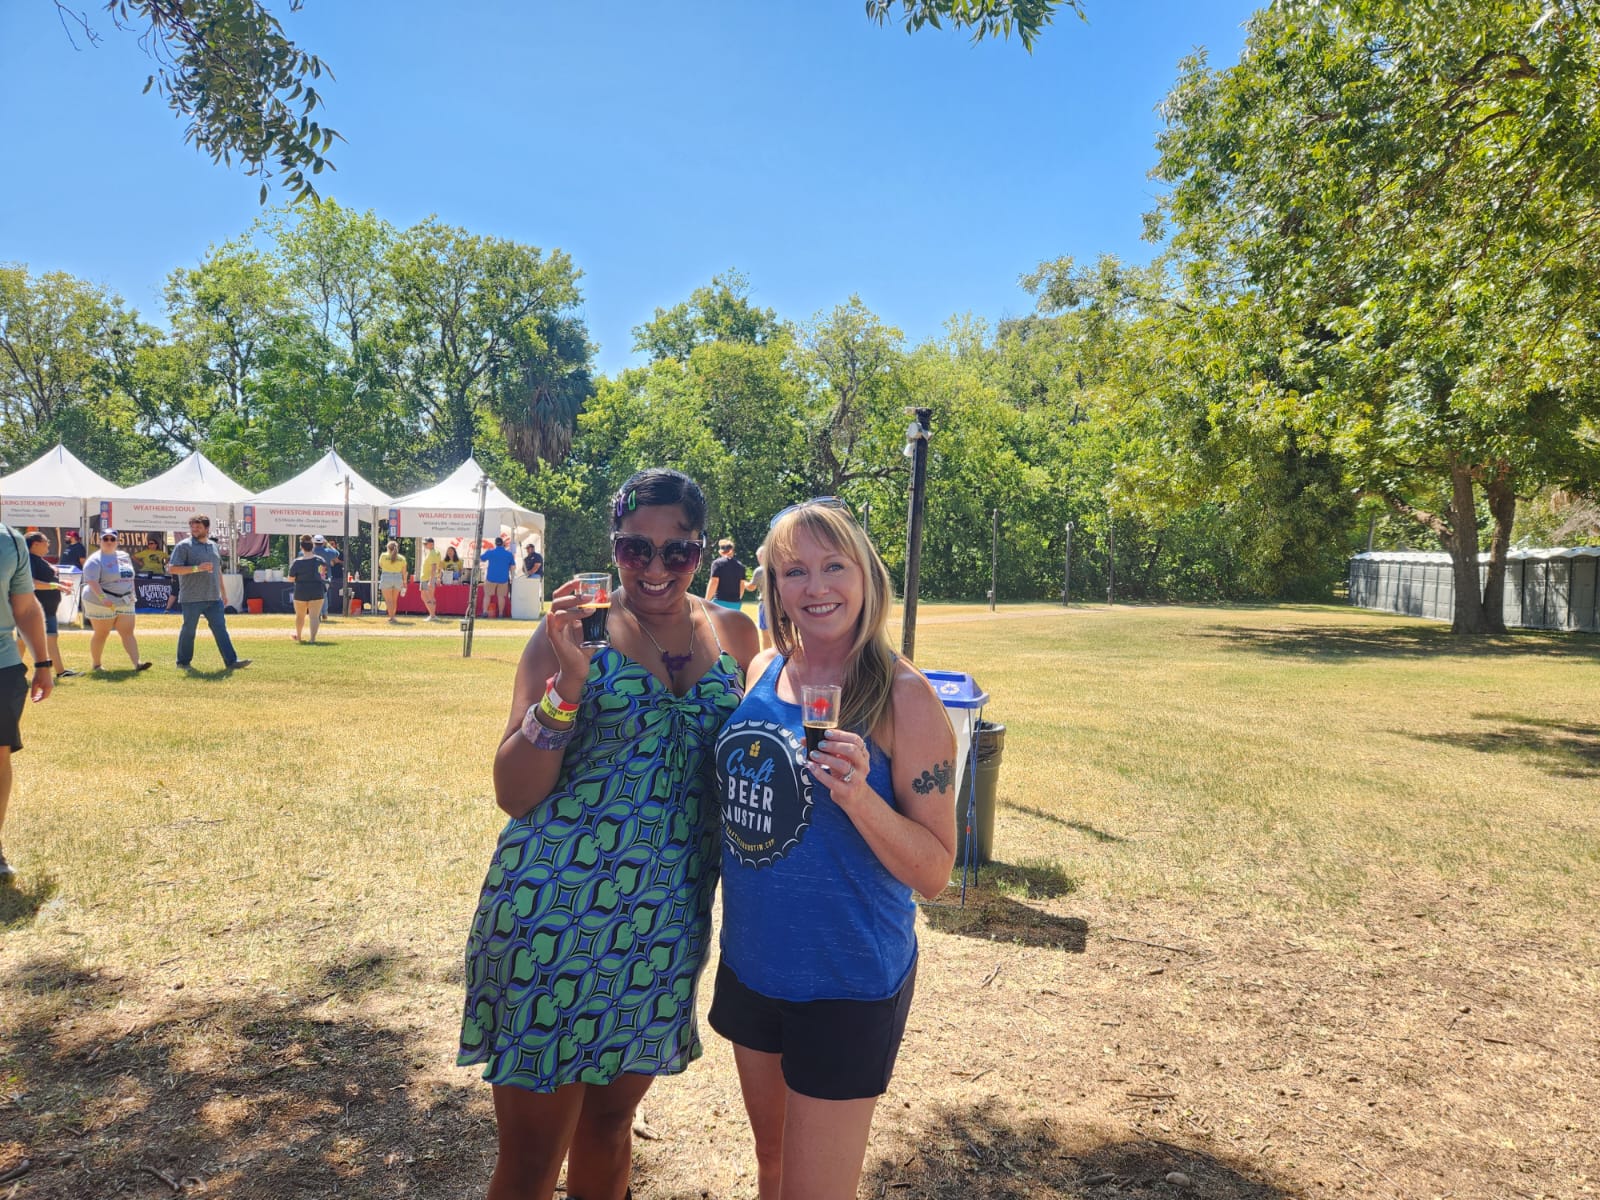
[594,918]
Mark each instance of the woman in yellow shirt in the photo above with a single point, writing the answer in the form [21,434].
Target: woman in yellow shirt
[392,578]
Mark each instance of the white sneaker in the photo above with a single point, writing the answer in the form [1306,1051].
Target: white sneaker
[7,874]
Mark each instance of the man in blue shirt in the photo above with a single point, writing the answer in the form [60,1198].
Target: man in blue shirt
[497,564]
[22,615]
[197,566]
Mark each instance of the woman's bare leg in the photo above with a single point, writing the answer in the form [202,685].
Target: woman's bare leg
[601,1159]
[130,642]
[97,639]
[534,1130]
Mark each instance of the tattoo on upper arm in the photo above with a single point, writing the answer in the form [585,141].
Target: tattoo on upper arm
[940,778]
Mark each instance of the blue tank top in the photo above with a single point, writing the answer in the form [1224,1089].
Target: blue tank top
[808,910]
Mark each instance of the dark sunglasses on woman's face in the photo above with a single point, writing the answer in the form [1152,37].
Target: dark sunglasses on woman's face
[635,553]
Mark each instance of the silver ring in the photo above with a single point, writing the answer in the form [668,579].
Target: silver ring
[848,775]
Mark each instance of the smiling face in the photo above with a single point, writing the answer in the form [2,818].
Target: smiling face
[656,591]
[820,587]
[199,530]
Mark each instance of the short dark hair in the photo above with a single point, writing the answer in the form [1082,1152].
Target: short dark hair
[659,487]
[305,541]
[35,536]
[200,519]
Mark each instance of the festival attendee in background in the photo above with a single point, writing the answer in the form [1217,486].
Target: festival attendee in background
[727,585]
[309,573]
[197,566]
[821,853]
[533,568]
[758,585]
[108,599]
[334,561]
[151,558]
[497,564]
[392,579]
[22,616]
[48,586]
[428,572]
[451,565]
[74,553]
[577,1000]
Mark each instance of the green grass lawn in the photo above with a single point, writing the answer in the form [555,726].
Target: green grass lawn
[1289,758]
[242,901]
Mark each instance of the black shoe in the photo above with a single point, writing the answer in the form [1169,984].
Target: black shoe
[67,673]
[239,664]
[144,666]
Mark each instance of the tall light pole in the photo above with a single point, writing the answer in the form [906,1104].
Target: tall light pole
[994,560]
[1066,573]
[477,570]
[917,434]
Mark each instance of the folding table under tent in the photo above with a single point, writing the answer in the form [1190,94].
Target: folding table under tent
[449,510]
[54,490]
[324,498]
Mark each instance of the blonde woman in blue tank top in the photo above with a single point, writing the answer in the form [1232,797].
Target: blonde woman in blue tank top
[821,854]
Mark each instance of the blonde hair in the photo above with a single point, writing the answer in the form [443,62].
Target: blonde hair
[869,681]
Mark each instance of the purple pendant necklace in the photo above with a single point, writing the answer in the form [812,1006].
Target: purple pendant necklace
[673,662]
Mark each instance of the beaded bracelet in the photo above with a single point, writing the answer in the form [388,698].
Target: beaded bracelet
[541,735]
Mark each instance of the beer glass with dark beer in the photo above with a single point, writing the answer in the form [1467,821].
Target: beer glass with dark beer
[819,710]
[594,590]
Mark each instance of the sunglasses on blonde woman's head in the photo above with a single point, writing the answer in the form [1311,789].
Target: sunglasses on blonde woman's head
[633,552]
[814,502]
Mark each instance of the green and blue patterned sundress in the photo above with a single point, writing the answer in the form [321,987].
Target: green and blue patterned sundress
[595,916]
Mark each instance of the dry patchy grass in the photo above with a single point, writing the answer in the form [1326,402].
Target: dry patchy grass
[1292,902]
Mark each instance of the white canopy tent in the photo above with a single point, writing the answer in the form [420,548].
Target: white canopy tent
[196,485]
[449,510]
[323,498]
[53,490]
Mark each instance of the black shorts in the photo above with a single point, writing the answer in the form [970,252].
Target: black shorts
[13,699]
[832,1049]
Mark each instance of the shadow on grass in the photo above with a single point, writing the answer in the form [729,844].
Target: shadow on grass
[1335,643]
[1566,749]
[252,1097]
[981,1151]
[994,912]
[21,899]
[1099,835]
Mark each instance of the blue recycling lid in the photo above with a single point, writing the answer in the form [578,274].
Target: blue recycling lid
[957,689]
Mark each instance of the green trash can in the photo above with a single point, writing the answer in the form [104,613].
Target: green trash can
[988,747]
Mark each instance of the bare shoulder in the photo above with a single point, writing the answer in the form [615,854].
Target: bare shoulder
[914,697]
[737,633]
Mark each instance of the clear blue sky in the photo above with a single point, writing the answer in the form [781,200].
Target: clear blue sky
[657,143]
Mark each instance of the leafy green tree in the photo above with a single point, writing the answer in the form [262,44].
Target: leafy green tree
[720,312]
[986,18]
[485,328]
[66,350]
[1397,201]
[856,419]
[246,90]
